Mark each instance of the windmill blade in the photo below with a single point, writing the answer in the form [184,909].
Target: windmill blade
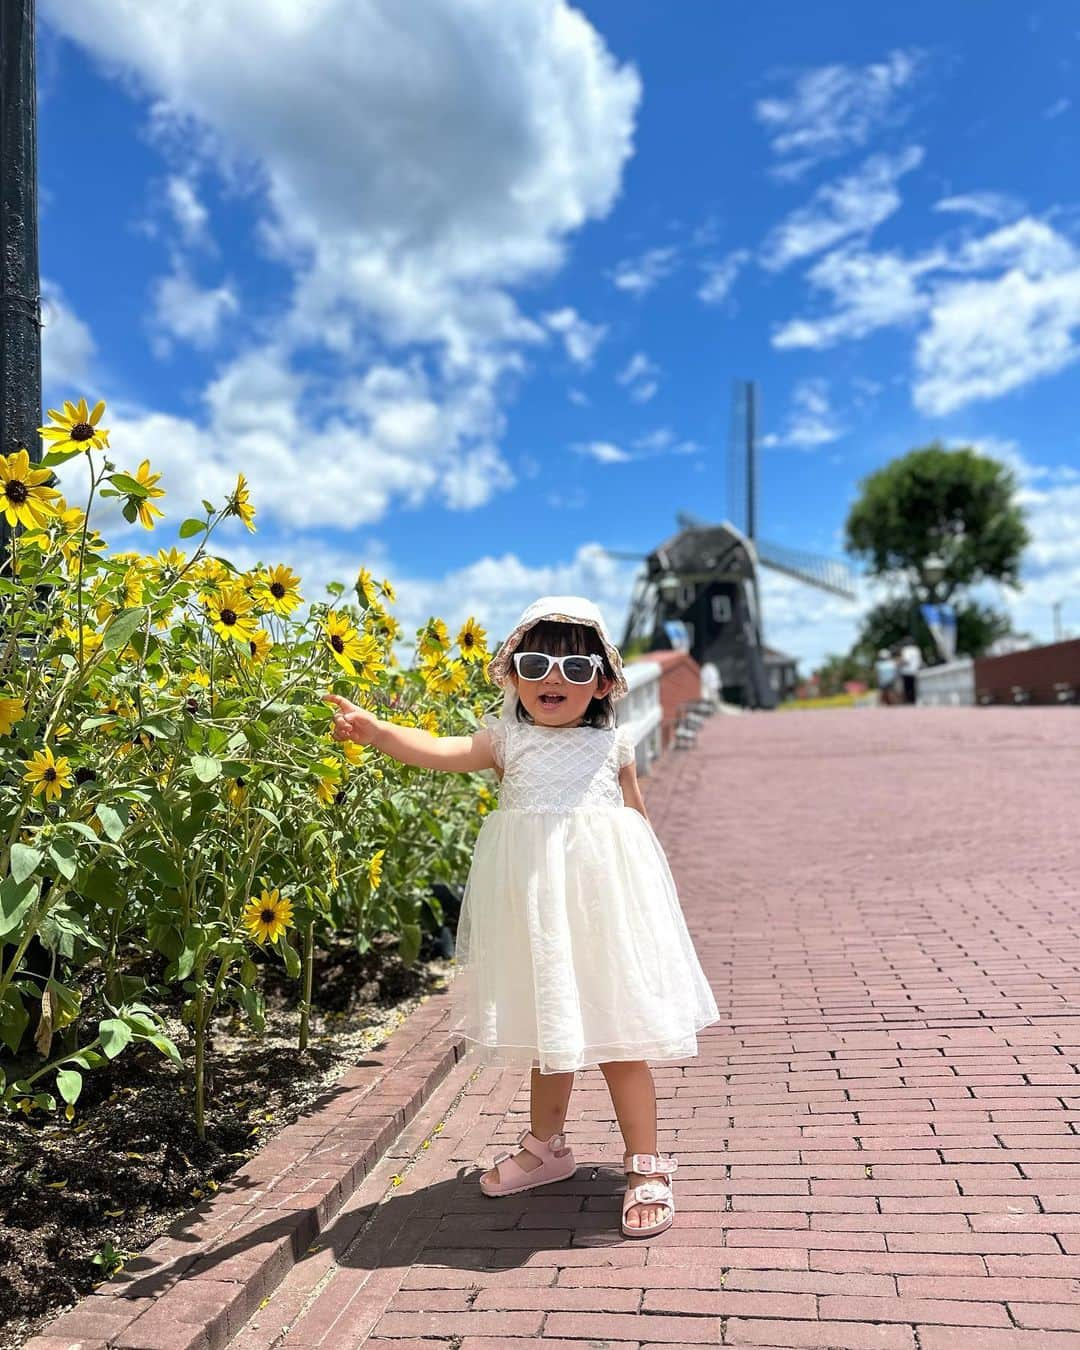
[618,553]
[688,521]
[823,573]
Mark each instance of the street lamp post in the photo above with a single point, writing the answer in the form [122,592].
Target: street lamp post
[20,299]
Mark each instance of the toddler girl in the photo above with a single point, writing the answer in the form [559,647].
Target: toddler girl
[572,949]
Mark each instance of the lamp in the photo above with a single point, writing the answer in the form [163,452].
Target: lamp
[933,569]
[669,587]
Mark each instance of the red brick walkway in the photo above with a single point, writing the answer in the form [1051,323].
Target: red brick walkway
[877,1145]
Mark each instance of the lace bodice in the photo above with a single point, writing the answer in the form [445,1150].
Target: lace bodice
[557,769]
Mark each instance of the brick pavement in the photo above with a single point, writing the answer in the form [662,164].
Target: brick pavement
[878,1143]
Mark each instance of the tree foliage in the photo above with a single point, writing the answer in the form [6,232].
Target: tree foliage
[957,504]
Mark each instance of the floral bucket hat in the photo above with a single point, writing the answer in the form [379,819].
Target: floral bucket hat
[560,609]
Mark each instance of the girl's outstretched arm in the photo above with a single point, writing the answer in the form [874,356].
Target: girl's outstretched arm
[411,745]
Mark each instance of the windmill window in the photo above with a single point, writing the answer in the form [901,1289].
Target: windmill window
[721,608]
[686,596]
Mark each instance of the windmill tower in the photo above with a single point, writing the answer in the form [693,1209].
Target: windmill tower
[706,577]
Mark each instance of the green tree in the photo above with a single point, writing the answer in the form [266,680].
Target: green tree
[957,505]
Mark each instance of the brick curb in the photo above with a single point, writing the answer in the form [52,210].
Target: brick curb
[195,1287]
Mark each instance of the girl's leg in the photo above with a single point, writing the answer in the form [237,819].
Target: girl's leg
[633,1094]
[549,1098]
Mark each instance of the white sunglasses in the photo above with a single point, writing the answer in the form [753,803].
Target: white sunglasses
[575,669]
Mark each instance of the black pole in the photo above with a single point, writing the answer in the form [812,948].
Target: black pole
[751,460]
[20,298]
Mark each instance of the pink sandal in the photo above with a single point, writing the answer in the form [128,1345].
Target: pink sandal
[649,1192]
[557,1163]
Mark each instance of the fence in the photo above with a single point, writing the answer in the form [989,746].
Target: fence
[641,712]
[950,685]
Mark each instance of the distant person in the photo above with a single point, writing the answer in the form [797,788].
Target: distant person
[711,685]
[885,672]
[910,663]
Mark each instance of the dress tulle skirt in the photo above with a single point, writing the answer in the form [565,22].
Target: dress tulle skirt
[572,949]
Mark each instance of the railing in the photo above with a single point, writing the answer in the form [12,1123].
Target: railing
[950,685]
[640,711]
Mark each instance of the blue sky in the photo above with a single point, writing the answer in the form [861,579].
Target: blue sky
[462,287]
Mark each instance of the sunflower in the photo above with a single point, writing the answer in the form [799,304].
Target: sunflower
[239,504]
[375,868]
[76,428]
[328,784]
[484,799]
[236,791]
[444,677]
[353,752]
[49,776]
[472,640]
[144,505]
[433,639]
[168,560]
[260,645]
[388,591]
[365,587]
[231,613]
[429,722]
[24,500]
[356,655]
[277,589]
[267,915]
[384,626]
[13,710]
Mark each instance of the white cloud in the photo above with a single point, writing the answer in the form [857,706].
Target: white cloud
[67,346]
[987,205]
[811,420]
[468,143]
[188,212]
[988,337]
[720,276]
[580,337]
[640,377]
[869,291]
[603,452]
[639,275]
[854,205]
[189,312]
[1059,106]
[578,397]
[834,109]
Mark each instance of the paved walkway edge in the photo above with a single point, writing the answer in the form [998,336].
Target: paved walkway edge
[194,1288]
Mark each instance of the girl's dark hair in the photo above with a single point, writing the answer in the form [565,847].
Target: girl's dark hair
[556,638]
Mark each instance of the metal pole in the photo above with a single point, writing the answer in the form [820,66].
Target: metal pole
[751,461]
[20,299]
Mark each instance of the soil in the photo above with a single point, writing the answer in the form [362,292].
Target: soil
[110,1181]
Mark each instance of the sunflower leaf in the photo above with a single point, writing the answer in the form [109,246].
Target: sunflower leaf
[55,457]
[24,862]
[111,821]
[69,1084]
[119,632]
[131,487]
[206,768]
[191,526]
[115,1035]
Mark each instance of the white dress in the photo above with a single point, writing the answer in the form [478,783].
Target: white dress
[572,948]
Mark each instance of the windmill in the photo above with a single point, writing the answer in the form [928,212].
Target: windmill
[706,577]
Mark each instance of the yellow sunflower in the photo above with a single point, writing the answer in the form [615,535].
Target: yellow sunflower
[484,798]
[278,589]
[168,560]
[472,640]
[330,780]
[429,722]
[144,505]
[388,591]
[240,504]
[356,655]
[49,776]
[231,614]
[385,627]
[365,586]
[236,792]
[76,428]
[375,868]
[353,752]
[24,499]
[13,710]
[267,915]
[444,677]
[433,640]
[260,645]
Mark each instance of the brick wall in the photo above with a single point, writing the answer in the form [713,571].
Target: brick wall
[680,682]
[1036,671]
